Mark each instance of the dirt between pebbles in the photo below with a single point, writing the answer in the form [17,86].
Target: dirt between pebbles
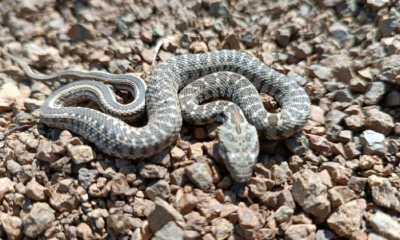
[345,53]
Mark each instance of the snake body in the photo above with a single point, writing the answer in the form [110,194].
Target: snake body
[115,137]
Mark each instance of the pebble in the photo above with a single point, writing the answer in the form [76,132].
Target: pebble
[119,223]
[200,175]
[342,35]
[383,224]
[284,214]
[8,94]
[169,231]
[379,121]
[81,154]
[12,226]
[158,188]
[375,93]
[340,66]
[83,231]
[221,228]
[38,219]
[149,170]
[393,99]
[373,143]
[299,231]
[187,203]
[383,193]
[346,219]
[248,222]
[163,214]
[283,36]
[35,191]
[310,193]
[378,4]
[321,72]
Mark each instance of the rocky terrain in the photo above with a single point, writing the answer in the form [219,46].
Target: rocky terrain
[56,185]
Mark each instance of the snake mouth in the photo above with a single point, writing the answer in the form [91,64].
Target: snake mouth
[242,177]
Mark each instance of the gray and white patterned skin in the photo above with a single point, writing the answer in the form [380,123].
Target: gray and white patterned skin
[117,138]
[238,139]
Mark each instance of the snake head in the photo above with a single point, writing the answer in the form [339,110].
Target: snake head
[238,149]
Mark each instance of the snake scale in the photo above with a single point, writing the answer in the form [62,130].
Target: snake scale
[115,137]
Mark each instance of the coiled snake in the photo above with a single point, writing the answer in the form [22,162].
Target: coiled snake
[115,137]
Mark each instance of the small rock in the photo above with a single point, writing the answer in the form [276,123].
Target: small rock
[195,150]
[340,195]
[119,223]
[162,214]
[83,231]
[12,226]
[379,121]
[221,228]
[375,93]
[320,144]
[373,143]
[303,50]
[310,193]
[178,177]
[340,65]
[119,186]
[209,207]
[195,222]
[378,4]
[35,191]
[200,174]
[5,184]
[351,150]
[383,193]
[346,219]
[82,31]
[324,234]
[39,219]
[357,84]
[86,177]
[389,69]
[158,188]
[257,186]
[357,183]
[283,36]
[283,214]
[342,35]
[300,231]
[354,123]
[63,201]
[342,175]
[8,94]
[385,225]
[321,72]
[44,151]
[13,166]
[393,99]
[248,222]
[64,184]
[345,136]
[148,170]
[169,231]
[177,153]
[230,42]
[81,154]
[187,203]
[198,47]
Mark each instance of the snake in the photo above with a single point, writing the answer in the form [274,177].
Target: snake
[160,100]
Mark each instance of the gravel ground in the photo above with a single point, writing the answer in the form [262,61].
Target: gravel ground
[56,185]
